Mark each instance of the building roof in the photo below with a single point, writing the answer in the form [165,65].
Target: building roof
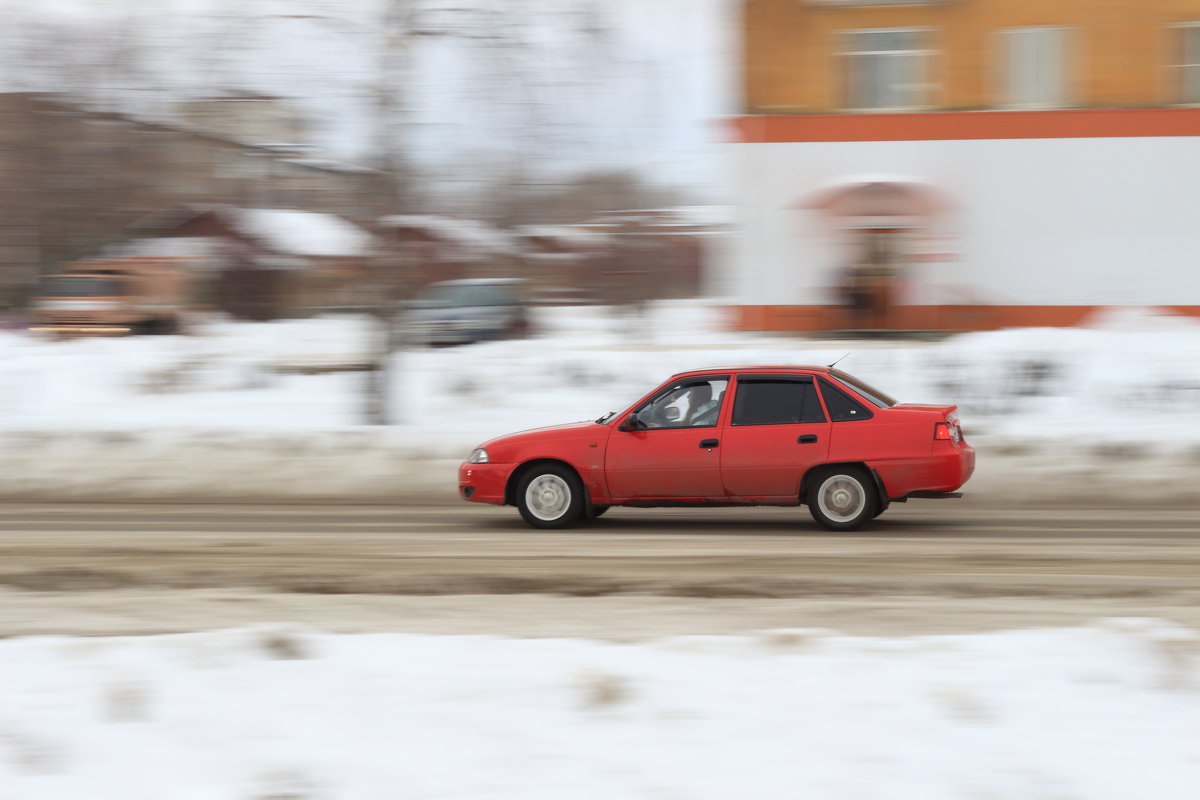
[301,233]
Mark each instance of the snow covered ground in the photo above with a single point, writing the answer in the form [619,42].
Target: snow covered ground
[1106,710]
[229,411]
[1110,710]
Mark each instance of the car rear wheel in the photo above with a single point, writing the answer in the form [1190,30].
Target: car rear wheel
[842,498]
[550,496]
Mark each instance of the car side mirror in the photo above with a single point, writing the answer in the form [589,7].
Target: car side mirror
[630,423]
[672,414]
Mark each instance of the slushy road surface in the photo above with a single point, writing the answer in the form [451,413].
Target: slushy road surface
[923,567]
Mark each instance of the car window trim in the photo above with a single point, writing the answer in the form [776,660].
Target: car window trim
[764,378]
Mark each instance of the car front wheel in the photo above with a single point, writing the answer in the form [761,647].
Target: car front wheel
[550,496]
[843,498]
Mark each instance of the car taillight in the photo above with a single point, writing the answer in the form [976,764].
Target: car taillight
[947,431]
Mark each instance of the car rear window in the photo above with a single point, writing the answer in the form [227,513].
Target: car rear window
[445,295]
[765,401]
[869,392]
[842,407]
[80,286]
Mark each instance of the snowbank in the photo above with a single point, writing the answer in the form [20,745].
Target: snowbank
[1103,711]
[241,410]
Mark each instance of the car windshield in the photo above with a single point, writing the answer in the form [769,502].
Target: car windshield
[870,393]
[458,295]
[80,286]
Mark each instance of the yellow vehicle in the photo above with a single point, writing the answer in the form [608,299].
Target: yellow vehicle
[111,298]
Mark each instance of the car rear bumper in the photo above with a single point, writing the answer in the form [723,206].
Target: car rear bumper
[952,468]
[943,471]
[483,483]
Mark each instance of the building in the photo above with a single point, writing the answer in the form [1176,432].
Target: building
[965,164]
[262,263]
[244,117]
[72,179]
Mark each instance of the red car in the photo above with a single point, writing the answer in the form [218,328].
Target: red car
[780,436]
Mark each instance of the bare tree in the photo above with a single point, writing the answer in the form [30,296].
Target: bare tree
[498,35]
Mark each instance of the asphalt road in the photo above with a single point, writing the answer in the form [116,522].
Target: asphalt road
[930,566]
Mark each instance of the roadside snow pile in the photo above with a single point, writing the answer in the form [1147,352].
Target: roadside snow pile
[274,409]
[1104,711]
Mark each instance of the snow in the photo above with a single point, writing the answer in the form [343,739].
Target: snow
[243,409]
[302,233]
[203,250]
[714,218]
[570,235]
[1107,710]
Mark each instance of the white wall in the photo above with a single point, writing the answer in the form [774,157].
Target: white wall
[1042,221]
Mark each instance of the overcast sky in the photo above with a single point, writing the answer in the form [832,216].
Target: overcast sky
[554,85]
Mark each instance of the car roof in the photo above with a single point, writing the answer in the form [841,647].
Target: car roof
[480,282]
[755,368]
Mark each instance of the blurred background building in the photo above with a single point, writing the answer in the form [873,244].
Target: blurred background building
[76,181]
[548,144]
[926,164]
[934,164]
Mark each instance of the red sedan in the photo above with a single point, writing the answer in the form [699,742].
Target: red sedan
[749,436]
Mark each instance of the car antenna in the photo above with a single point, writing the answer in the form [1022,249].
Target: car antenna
[831,366]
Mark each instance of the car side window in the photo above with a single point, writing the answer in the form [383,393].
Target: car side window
[695,404]
[842,407]
[776,402]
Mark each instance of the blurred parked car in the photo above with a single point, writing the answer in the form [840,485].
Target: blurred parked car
[780,436]
[111,297]
[469,310]
[564,297]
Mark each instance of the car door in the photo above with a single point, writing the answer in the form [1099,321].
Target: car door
[672,451]
[777,430]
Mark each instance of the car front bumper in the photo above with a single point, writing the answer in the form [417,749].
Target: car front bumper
[483,483]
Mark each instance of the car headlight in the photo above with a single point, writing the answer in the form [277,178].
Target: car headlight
[478,456]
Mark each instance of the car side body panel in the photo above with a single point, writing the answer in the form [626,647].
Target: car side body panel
[667,463]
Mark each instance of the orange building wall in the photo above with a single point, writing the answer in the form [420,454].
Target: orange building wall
[1120,54]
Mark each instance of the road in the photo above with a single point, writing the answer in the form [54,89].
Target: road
[924,567]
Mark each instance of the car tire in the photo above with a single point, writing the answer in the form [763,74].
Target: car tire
[550,496]
[842,498]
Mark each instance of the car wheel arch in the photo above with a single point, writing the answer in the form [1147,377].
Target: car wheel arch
[514,478]
[817,469]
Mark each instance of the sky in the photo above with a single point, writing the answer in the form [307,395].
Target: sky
[546,86]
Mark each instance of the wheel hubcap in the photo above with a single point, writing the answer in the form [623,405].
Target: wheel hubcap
[547,497]
[842,498]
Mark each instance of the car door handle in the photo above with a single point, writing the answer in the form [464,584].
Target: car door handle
[808,438]
[709,443]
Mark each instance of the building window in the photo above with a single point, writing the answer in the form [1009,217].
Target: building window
[1187,63]
[886,69]
[1033,68]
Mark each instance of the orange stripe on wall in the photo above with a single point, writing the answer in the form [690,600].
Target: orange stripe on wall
[811,319]
[1074,124]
